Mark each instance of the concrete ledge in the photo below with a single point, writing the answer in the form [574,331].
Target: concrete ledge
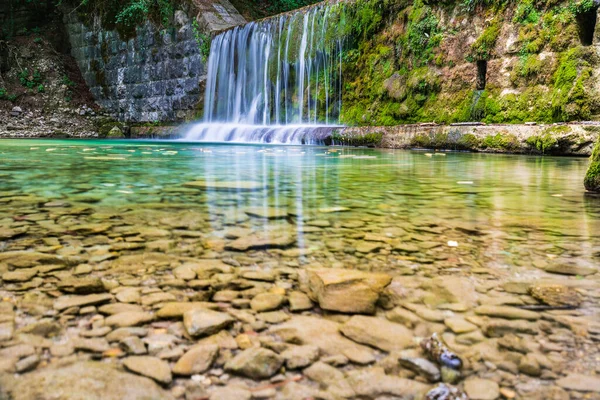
[556,139]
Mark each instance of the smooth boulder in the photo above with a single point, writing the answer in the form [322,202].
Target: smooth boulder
[346,290]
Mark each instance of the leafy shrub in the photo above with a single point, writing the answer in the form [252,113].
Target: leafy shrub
[203,40]
[30,80]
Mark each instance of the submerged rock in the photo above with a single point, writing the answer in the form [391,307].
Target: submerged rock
[482,389]
[446,392]
[81,381]
[377,332]
[201,322]
[346,290]
[555,295]
[262,240]
[152,367]
[255,363]
[437,351]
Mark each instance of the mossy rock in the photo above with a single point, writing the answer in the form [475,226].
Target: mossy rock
[592,178]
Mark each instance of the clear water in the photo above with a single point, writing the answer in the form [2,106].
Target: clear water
[523,207]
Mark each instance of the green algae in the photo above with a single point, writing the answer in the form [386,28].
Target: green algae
[592,177]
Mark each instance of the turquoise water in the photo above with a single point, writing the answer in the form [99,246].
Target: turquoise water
[500,210]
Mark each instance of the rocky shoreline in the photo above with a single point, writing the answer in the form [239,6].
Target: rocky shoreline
[111,304]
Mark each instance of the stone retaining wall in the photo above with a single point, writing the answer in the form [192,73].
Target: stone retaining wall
[157,75]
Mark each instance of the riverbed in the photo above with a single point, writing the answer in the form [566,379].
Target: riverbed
[319,270]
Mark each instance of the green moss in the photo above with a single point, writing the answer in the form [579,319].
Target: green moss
[469,142]
[484,45]
[501,142]
[592,177]
[542,143]
[366,140]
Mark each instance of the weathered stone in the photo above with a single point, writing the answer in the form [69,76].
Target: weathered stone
[202,322]
[580,383]
[299,302]
[459,325]
[529,365]
[197,360]
[346,290]
[422,367]
[82,285]
[152,367]
[482,389]
[27,363]
[94,345]
[331,378]
[373,383]
[319,332]
[64,302]
[177,309]
[230,393]
[571,269]
[262,240]
[266,212]
[300,356]
[20,275]
[126,319]
[507,312]
[133,345]
[118,308]
[82,381]
[267,302]
[256,363]
[555,295]
[377,332]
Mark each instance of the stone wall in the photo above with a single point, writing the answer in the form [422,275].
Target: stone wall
[156,75]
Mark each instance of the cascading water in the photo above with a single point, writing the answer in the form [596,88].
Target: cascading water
[275,81]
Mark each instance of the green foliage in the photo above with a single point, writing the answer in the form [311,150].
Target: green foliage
[471,5]
[41,88]
[203,40]
[592,177]
[134,13]
[3,93]
[29,79]
[67,81]
[526,13]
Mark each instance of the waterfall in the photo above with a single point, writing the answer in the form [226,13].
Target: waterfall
[277,80]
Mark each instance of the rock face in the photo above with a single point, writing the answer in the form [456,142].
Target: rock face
[256,363]
[346,290]
[81,381]
[592,177]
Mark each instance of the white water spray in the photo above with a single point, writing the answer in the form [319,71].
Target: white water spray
[274,81]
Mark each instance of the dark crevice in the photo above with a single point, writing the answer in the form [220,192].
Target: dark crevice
[586,25]
[481,74]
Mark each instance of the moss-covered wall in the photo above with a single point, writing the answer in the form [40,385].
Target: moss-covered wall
[418,61]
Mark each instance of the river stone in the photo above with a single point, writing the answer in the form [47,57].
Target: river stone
[299,301]
[197,360]
[230,393]
[266,212]
[202,322]
[81,381]
[374,383]
[118,308]
[482,389]
[331,378]
[422,367]
[506,312]
[82,285]
[555,295]
[377,332]
[580,383]
[152,367]
[529,365]
[177,309]
[571,269]
[20,275]
[229,186]
[459,325]
[27,259]
[262,240]
[255,363]
[64,302]
[126,319]
[267,302]
[346,290]
[300,356]
[324,334]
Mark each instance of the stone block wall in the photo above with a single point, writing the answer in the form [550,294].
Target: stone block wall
[157,75]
